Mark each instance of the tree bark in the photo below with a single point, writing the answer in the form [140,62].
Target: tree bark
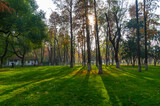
[22,61]
[145,31]
[133,62]
[54,54]
[6,48]
[115,41]
[155,62]
[88,36]
[97,36]
[1,62]
[51,55]
[107,54]
[42,55]
[71,63]
[96,51]
[138,39]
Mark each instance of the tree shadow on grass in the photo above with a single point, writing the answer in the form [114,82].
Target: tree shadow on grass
[7,94]
[67,89]
[127,87]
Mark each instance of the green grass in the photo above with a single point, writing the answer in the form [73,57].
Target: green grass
[61,85]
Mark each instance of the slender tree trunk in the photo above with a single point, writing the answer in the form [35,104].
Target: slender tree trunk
[22,61]
[96,51]
[88,37]
[67,56]
[138,39]
[1,62]
[133,62]
[97,36]
[64,55]
[84,46]
[112,57]
[127,62]
[5,50]
[71,63]
[116,58]
[84,52]
[42,56]
[155,62]
[51,55]
[107,56]
[145,31]
[36,57]
[54,53]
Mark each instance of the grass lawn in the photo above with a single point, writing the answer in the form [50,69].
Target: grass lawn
[61,85]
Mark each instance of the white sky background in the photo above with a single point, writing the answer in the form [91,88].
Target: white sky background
[47,6]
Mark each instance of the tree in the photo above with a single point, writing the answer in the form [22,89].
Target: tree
[145,34]
[5,6]
[5,49]
[88,35]
[115,14]
[138,38]
[97,37]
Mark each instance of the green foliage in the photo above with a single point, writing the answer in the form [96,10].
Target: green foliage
[129,48]
[25,25]
[132,24]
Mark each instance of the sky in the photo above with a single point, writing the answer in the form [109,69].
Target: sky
[47,6]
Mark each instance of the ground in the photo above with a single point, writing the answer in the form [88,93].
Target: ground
[62,85]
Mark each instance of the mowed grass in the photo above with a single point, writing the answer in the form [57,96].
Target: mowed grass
[61,85]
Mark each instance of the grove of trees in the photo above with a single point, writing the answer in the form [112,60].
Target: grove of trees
[81,32]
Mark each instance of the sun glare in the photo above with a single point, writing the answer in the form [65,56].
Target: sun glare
[91,19]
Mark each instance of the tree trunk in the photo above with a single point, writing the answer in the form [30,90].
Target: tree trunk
[22,62]
[88,37]
[145,30]
[112,57]
[84,52]
[36,57]
[51,55]
[97,36]
[1,62]
[133,62]
[84,47]
[155,62]
[116,58]
[138,38]
[42,56]
[5,50]
[64,55]
[107,57]
[67,56]
[96,52]
[54,52]
[127,62]
[71,63]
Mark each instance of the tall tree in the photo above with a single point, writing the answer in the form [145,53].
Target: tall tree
[71,6]
[138,39]
[97,39]
[145,34]
[116,19]
[88,35]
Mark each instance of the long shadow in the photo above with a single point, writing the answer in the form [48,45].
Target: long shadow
[55,76]
[64,89]
[124,88]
